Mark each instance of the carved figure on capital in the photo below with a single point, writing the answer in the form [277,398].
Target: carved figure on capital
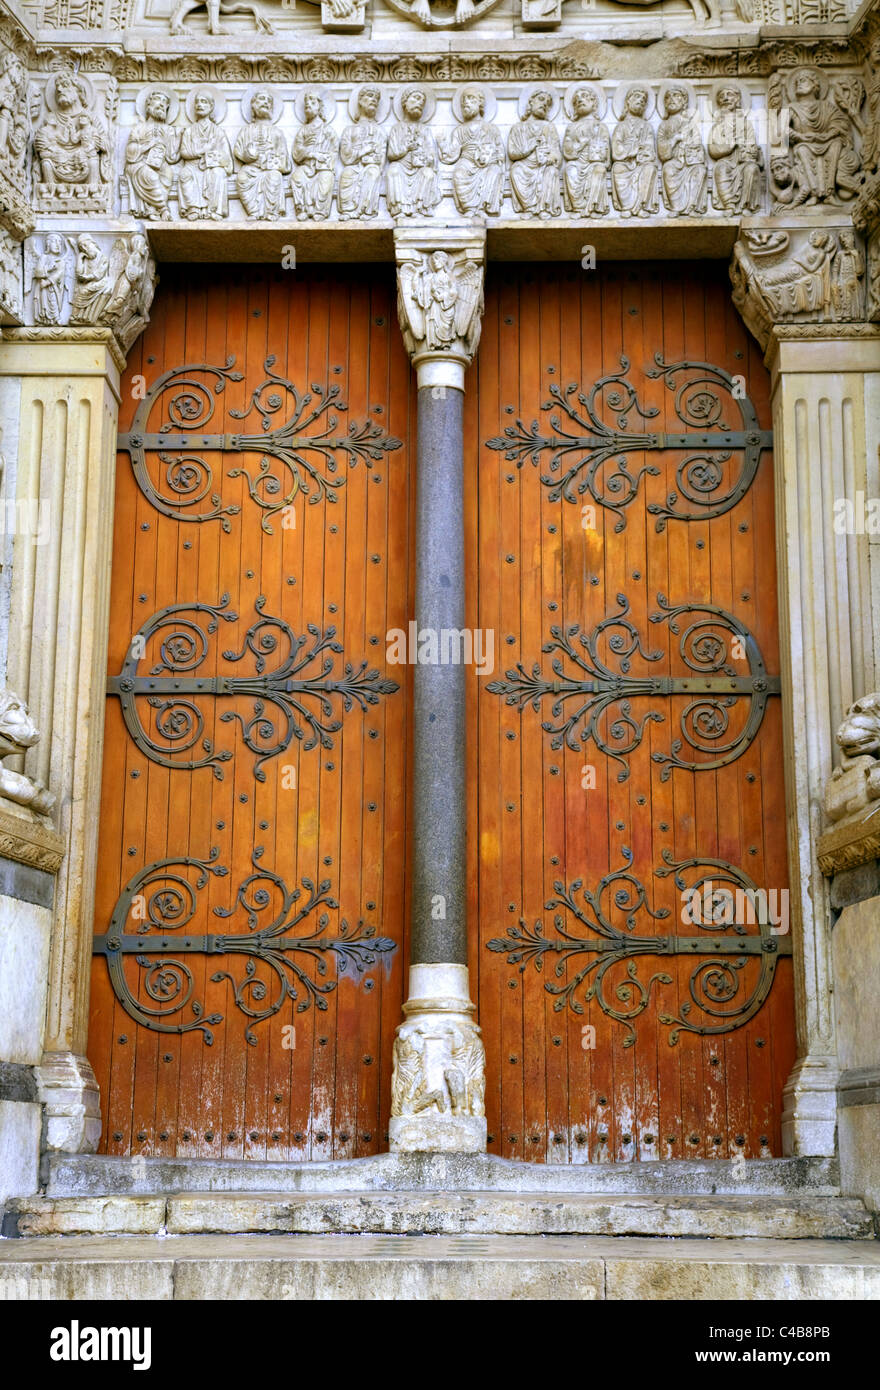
[93,281]
[18,733]
[205,159]
[476,149]
[823,166]
[439,1067]
[821,281]
[440,303]
[535,154]
[362,152]
[72,146]
[738,158]
[856,783]
[314,156]
[47,274]
[634,180]
[263,158]
[412,186]
[685,169]
[153,148]
[586,146]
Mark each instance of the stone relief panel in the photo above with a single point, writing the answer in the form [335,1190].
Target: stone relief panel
[15,142]
[10,278]
[802,276]
[72,150]
[439,1068]
[96,280]
[321,151]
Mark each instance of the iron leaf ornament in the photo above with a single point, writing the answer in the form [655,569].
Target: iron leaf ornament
[297,690]
[591,700]
[719,998]
[286,929]
[592,432]
[298,456]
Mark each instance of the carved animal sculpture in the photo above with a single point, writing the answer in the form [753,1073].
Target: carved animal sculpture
[706,12]
[215,8]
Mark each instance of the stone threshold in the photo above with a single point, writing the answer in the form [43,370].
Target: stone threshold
[381,1268]
[98,1175]
[802,1217]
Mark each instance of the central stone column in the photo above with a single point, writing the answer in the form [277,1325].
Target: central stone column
[439,1062]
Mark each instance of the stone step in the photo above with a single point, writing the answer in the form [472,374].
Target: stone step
[130,1268]
[83,1175]
[802,1217]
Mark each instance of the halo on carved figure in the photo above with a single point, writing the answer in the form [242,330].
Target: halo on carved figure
[490,107]
[277,102]
[382,109]
[204,91]
[326,98]
[442,14]
[79,79]
[621,94]
[723,84]
[817,75]
[571,93]
[158,89]
[528,92]
[400,97]
[675,86]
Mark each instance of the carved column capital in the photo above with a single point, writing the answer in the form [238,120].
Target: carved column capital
[440,298]
[808,278]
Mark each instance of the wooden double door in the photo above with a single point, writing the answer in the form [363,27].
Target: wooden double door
[625,790]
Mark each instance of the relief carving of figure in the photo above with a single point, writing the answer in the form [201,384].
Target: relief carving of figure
[14,123]
[439,1067]
[825,167]
[71,146]
[153,147]
[849,269]
[206,161]
[362,151]
[132,272]
[440,303]
[586,146]
[682,156]
[49,270]
[535,154]
[10,274]
[803,286]
[476,149]
[314,160]
[634,155]
[734,147]
[93,281]
[412,185]
[262,154]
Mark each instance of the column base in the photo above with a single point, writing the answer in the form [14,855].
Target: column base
[809,1108]
[71,1104]
[439,1077]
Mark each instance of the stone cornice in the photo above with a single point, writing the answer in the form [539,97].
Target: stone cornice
[29,839]
[69,334]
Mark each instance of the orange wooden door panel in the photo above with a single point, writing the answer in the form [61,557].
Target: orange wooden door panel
[267,804]
[612,1053]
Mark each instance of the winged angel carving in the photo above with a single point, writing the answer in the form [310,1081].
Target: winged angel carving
[440,303]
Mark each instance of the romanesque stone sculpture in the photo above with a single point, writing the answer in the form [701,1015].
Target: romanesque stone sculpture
[586,146]
[847,290]
[93,281]
[412,185]
[476,149]
[263,158]
[362,152]
[153,147]
[14,123]
[205,162]
[215,8]
[439,1067]
[314,160]
[634,155]
[18,733]
[824,167]
[10,274]
[685,170]
[113,290]
[49,272]
[71,146]
[821,281]
[856,783]
[738,158]
[440,304]
[535,154]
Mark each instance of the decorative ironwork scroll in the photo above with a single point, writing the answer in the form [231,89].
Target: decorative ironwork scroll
[299,457]
[590,429]
[582,698]
[722,997]
[162,899]
[291,701]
